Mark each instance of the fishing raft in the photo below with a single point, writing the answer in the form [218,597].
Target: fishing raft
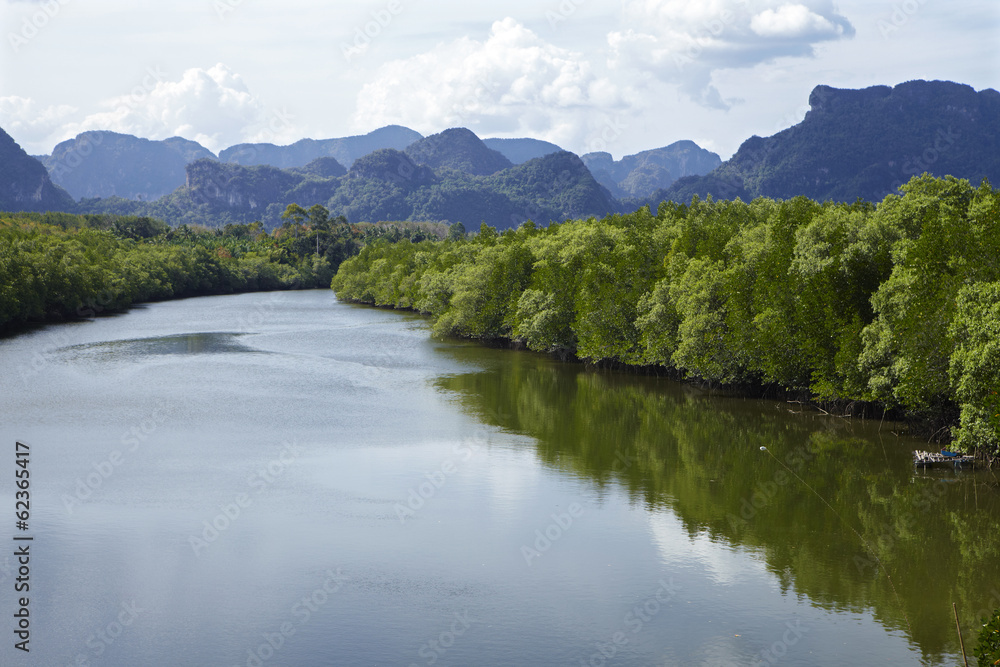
[943,458]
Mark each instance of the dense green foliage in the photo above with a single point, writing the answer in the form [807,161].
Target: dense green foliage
[894,304]
[988,649]
[57,265]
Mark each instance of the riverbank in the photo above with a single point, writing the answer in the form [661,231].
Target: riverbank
[886,308]
[59,267]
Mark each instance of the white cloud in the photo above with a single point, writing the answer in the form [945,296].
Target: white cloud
[511,84]
[211,106]
[514,83]
[794,21]
[30,124]
[685,43]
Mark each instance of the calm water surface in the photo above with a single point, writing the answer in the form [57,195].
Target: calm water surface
[281,479]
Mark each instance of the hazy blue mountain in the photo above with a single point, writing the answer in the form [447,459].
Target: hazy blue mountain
[519,151]
[864,144]
[459,149]
[389,185]
[107,164]
[189,150]
[345,150]
[25,185]
[555,187]
[644,173]
[852,143]
[322,167]
[384,185]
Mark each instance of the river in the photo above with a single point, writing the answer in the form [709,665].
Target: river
[283,479]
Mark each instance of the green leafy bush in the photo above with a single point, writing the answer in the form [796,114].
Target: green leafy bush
[896,303]
[988,649]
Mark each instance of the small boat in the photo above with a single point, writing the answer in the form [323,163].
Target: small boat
[923,459]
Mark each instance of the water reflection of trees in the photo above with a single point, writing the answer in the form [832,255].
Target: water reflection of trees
[675,446]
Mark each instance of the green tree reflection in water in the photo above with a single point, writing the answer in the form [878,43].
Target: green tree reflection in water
[697,454]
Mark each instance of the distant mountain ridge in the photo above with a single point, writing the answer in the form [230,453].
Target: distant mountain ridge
[386,184]
[345,149]
[452,176]
[102,164]
[851,144]
[459,149]
[110,164]
[519,151]
[25,184]
[864,144]
[646,172]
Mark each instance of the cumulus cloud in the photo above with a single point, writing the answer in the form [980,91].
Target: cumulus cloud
[211,106]
[684,43]
[794,22]
[513,83]
[30,123]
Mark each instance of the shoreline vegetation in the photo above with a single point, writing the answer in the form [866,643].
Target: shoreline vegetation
[873,308]
[60,266]
[890,308]
[860,309]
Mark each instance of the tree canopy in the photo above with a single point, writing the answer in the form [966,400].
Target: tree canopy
[894,304]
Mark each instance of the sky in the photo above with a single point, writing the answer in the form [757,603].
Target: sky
[620,76]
